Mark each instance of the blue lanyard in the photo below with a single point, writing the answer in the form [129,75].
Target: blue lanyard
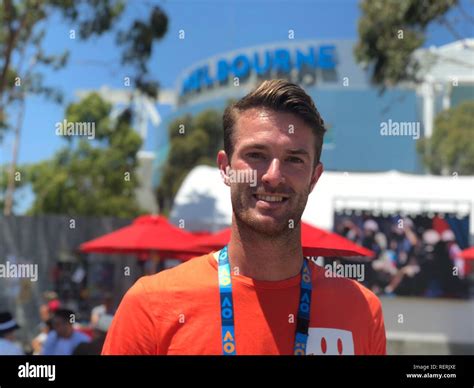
[227,307]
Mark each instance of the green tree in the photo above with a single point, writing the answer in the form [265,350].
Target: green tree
[451,147]
[390,31]
[193,141]
[20,177]
[95,178]
[23,59]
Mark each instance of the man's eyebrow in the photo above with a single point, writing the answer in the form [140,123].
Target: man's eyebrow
[298,151]
[256,146]
[294,151]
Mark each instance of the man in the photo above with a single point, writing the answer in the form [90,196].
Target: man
[258,295]
[63,339]
[8,326]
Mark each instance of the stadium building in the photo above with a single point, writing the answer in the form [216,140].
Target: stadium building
[367,131]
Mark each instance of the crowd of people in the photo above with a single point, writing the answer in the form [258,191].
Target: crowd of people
[416,257]
[59,332]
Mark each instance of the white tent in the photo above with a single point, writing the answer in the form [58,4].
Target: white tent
[203,201]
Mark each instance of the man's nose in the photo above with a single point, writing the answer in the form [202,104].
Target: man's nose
[273,175]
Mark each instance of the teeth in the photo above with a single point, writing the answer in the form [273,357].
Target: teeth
[270,198]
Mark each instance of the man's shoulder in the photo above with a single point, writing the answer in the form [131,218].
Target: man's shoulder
[8,348]
[52,336]
[80,336]
[191,273]
[345,289]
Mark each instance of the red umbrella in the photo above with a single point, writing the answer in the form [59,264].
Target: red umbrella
[315,241]
[146,234]
[468,253]
[319,242]
[214,241]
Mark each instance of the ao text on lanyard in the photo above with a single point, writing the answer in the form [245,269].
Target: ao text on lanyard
[227,307]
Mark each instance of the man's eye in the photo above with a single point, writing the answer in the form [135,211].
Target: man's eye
[294,159]
[255,155]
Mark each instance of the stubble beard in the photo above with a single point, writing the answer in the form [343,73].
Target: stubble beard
[247,216]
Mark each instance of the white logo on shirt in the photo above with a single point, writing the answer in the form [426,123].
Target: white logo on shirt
[325,341]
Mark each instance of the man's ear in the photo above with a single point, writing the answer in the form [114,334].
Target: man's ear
[318,170]
[223,163]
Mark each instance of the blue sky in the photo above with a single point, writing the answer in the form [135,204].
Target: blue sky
[211,27]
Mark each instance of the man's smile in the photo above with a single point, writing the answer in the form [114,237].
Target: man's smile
[270,201]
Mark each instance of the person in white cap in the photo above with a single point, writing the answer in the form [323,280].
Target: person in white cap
[8,326]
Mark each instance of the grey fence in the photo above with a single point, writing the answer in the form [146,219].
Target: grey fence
[48,245]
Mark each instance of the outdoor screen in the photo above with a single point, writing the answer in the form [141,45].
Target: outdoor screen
[415,255]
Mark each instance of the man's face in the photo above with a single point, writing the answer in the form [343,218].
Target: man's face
[279,147]
[63,328]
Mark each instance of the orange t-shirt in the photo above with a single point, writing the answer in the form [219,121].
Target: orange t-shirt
[177,311]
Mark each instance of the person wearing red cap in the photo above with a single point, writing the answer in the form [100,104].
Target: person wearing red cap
[258,295]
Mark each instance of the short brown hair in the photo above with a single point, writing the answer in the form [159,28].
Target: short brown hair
[281,96]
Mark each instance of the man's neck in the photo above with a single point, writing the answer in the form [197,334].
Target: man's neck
[67,335]
[265,258]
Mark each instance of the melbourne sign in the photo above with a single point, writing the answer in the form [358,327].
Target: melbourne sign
[266,63]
